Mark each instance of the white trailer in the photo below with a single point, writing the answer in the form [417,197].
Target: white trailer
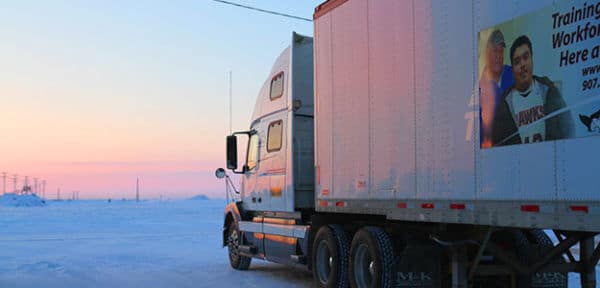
[393,152]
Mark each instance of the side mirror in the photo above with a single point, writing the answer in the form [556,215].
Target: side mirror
[220,173]
[232,162]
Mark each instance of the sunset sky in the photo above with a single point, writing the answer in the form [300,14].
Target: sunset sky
[96,93]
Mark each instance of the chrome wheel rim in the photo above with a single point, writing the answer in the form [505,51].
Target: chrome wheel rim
[324,262]
[364,266]
[233,245]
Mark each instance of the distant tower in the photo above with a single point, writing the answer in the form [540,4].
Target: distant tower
[4,182]
[25,188]
[137,190]
[35,186]
[58,193]
[15,183]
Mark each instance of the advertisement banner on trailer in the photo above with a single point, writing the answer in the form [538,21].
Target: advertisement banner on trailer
[538,76]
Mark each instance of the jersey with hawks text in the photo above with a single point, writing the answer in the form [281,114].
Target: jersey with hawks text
[527,109]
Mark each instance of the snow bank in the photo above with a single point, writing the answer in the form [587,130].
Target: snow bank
[200,197]
[14,200]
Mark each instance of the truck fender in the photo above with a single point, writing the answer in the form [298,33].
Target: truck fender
[232,213]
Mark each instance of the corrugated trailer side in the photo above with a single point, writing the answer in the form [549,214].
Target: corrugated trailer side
[397,122]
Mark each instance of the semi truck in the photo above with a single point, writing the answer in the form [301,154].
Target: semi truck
[426,143]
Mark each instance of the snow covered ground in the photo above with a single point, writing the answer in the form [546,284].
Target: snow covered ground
[128,244]
[14,200]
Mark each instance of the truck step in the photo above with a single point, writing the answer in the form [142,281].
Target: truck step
[247,249]
[300,259]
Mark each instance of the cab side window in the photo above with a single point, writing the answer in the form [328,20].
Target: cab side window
[274,136]
[276,86]
[252,158]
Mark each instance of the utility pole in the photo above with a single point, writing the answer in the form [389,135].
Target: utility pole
[58,193]
[44,189]
[137,190]
[15,183]
[25,185]
[230,102]
[3,183]
[35,186]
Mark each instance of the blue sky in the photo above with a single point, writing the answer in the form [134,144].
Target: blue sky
[132,82]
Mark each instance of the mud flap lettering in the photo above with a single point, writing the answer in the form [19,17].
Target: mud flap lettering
[419,266]
[414,279]
[548,280]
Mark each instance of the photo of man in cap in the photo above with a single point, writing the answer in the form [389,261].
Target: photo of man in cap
[532,109]
[495,79]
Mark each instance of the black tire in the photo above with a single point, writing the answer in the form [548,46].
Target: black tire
[234,240]
[330,257]
[540,237]
[371,259]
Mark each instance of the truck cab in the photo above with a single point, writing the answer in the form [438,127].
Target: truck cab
[281,140]
[277,175]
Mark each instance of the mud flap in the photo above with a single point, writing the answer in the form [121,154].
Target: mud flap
[419,266]
[548,279]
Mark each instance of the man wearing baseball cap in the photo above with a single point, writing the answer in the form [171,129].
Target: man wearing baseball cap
[495,79]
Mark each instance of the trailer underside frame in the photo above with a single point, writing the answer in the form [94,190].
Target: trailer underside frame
[585,266]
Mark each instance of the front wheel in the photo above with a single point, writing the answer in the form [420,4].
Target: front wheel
[234,240]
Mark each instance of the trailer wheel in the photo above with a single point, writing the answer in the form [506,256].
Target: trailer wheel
[234,240]
[330,257]
[371,259]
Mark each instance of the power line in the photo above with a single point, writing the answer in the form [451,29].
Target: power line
[262,10]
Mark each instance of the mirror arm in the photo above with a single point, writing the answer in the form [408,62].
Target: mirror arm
[249,133]
[231,184]
[244,170]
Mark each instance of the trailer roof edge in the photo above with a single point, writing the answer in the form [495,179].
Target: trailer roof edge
[326,7]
